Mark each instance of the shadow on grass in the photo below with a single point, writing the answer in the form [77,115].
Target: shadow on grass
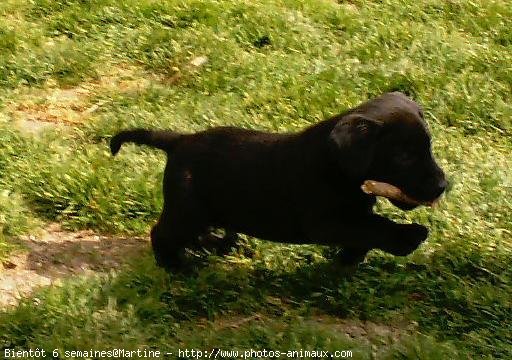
[446,296]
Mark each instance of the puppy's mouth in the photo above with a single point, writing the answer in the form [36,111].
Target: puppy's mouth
[395,194]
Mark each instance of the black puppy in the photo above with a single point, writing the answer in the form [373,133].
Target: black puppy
[296,188]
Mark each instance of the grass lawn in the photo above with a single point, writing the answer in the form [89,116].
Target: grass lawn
[73,72]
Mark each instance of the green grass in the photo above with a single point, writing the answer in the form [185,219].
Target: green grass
[275,65]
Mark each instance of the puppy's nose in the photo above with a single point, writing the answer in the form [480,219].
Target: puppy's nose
[441,187]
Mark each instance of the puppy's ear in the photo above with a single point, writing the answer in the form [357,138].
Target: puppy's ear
[354,139]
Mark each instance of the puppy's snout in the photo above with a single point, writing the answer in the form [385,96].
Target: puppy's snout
[434,188]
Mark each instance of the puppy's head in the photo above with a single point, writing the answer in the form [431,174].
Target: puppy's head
[387,140]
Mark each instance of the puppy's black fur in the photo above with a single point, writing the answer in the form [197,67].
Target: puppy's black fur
[296,188]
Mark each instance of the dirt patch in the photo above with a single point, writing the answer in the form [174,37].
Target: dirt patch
[365,331]
[50,106]
[361,330]
[57,254]
[37,109]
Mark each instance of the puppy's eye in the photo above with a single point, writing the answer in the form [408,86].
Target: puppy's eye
[404,158]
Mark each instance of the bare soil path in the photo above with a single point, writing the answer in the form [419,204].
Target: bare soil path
[57,254]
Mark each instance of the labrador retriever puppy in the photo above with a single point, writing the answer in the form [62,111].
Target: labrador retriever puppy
[302,188]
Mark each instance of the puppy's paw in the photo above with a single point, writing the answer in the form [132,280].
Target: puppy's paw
[415,232]
[351,256]
[408,238]
[173,262]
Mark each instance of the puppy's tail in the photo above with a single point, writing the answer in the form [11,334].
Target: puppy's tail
[161,139]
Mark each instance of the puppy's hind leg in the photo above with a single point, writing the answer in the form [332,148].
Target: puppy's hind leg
[179,226]
[168,242]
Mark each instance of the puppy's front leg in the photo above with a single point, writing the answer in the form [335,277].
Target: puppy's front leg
[358,236]
[407,239]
